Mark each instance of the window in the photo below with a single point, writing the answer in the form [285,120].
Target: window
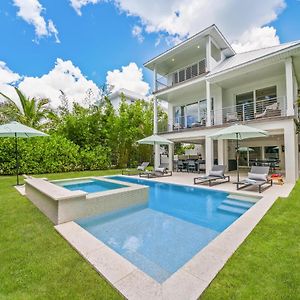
[181,75]
[215,52]
[245,107]
[188,73]
[194,70]
[179,117]
[266,93]
[265,97]
[192,114]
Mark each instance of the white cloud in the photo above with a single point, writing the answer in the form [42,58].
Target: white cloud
[178,19]
[130,78]
[78,4]
[31,12]
[64,76]
[137,31]
[7,78]
[52,29]
[182,18]
[256,38]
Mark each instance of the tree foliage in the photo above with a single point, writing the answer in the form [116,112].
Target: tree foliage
[31,112]
[93,136]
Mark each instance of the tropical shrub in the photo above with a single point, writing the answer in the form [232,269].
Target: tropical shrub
[50,155]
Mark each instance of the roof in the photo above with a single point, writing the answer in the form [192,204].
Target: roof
[128,94]
[212,30]
[240,59]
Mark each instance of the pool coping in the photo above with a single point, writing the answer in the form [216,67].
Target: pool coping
[189,281]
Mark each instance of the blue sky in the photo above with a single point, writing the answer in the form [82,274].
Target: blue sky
[101,39]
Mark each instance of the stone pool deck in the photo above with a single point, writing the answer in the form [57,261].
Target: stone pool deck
[194,277]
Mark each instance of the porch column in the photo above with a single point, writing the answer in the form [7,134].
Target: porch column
[155,131]
[171,156]
[226,154]
[208,104]
[289,87]
[221,148]
[209,154]
[170,117]
[290,153]
[154,79]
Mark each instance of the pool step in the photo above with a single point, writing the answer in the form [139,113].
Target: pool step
[232,209]
[237,203]
[242,198]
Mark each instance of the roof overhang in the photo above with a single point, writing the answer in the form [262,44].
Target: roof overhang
[267,59]
[212,30]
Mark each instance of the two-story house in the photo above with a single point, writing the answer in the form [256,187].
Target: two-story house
[208,86]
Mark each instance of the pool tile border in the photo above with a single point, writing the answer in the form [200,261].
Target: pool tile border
[189,281]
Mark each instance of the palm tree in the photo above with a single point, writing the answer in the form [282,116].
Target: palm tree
[31,112]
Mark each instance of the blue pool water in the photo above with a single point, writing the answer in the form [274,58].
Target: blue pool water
[91,186]
[161,237]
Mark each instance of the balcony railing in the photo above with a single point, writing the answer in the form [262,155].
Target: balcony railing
[250,110]
[258,110]
[182,75]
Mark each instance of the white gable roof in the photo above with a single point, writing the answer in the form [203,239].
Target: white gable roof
[250,56]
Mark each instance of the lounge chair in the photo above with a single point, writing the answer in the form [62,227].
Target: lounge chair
[215,176]
[271,110]
[159,172]
[258,176]
[139,169]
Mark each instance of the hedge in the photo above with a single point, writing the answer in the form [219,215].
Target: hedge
[52,154]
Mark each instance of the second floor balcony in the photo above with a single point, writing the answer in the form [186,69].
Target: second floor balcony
[187,73]
[249,111]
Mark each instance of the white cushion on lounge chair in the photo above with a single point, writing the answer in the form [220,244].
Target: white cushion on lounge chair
[254,176]
[216,173]
[162,170]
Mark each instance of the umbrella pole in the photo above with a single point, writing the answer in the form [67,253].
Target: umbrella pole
[17,157]
[237,158]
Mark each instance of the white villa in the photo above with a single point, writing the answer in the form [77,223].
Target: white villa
[208,86]
[130,97]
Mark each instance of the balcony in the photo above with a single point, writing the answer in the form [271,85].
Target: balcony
[246,112]
[182,75]
[249,111]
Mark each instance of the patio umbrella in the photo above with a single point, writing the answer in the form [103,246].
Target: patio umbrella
[245,149]
[155,140]
[238,132]
[17,130]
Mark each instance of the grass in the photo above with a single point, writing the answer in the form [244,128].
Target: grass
[267,265]
[36,263]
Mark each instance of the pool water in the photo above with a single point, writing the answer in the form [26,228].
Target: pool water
[91,185]
[175,225]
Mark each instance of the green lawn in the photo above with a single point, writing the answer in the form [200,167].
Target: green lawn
[36,263]
[267,264]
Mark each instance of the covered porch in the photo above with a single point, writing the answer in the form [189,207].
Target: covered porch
[279,151]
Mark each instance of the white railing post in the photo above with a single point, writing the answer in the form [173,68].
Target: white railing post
[243,107]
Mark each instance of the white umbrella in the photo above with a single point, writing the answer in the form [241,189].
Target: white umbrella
[16,130]
[238,132]
[245,149]
[155,140]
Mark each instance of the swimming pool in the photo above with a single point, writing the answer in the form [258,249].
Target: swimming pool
[90,185]
[162,236]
